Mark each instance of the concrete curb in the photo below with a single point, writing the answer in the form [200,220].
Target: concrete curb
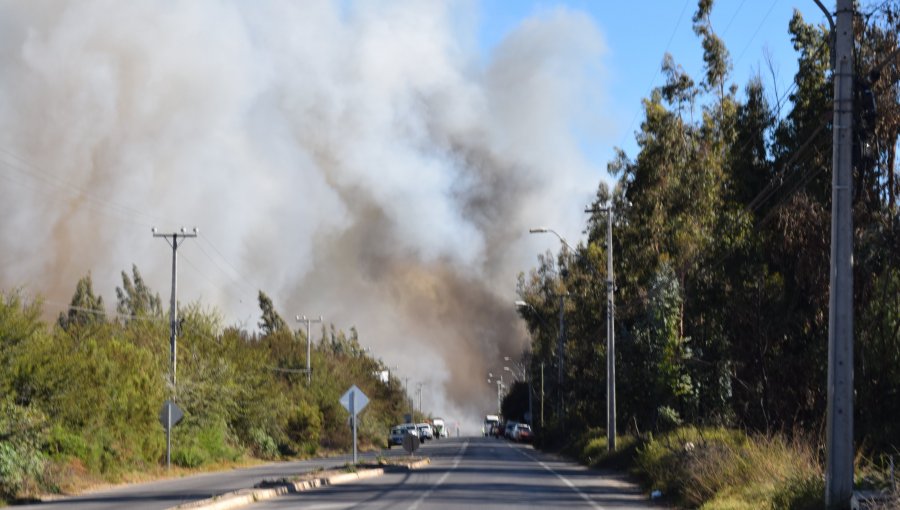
[418,464]
[245,497]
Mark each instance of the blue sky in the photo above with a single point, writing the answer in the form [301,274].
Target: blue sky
[639,33]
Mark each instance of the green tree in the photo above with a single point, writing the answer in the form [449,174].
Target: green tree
[135,299]
[270,322]
[85,307]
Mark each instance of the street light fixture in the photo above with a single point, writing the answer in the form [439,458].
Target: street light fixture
[545,230]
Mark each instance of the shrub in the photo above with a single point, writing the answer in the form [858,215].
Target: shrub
[263,445]
[719,468]
[304,426]
[800,493]
[189,456]
[63,443]
[21,460]
[197,444]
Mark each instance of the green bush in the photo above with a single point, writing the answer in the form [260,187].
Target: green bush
[800,493]
[199,444]
[21,460]
[721,468]
[63,443]
[304,426]
[214,440]
[263,445]
[189,456]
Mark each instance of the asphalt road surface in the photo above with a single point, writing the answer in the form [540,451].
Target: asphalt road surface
[162,494]
[486,473]
[475,473]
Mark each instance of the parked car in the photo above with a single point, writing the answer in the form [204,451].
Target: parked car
[395,438]
[425,431]
[522,433]
[508,431]
[398,432]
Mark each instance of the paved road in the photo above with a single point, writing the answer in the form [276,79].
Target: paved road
[164,494]
[482,473]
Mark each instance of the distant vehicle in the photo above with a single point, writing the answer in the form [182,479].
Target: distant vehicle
[490,422]
[425,431]
[508,430]
[523,433]
[440,429]
[397,433]
[498,429]
[395,438]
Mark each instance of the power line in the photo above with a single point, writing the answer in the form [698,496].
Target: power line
[758,28]
[40,178]
[656,72]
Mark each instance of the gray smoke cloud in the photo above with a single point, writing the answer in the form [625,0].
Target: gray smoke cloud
[363,161]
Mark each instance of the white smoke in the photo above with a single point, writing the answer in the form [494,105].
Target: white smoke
[358,160]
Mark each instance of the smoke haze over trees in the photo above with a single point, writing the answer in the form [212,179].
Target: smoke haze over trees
[358,161]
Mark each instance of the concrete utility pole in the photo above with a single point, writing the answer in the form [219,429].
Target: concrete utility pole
[412,418]
[561,355]
[500,395]
[542,395]
[419,391]
[307,320]
[610,331]
[173,338]
[839,426]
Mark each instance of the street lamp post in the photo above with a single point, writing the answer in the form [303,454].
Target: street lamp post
[500,386]
[523,304]
[409,398]
[562,329]
[523,372]
[419,391]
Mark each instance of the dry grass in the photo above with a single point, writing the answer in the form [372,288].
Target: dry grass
[727,469]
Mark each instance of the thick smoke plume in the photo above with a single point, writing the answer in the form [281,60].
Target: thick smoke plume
[365,161]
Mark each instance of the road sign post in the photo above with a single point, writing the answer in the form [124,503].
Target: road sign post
[410,443]
[354,400]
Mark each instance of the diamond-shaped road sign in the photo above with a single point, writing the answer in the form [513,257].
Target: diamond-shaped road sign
[360,400]
[177,414]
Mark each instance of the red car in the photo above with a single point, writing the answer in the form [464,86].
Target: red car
[522,433]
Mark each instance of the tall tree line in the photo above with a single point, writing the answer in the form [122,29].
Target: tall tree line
[722,246]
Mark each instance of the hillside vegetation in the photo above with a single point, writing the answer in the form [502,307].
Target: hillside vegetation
[81,398]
